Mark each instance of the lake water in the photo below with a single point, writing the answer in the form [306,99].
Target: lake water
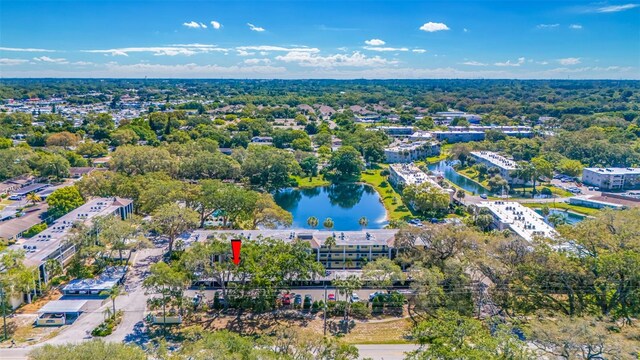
[569,217]
[450,174]
[345,204]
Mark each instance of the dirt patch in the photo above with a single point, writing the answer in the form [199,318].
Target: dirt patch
[53,294]
[24,333]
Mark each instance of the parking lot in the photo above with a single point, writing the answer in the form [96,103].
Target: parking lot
[316,293]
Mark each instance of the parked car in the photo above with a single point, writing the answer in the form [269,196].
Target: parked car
[355,297]
[286,299]
[483,196]
[308,301]
[373,295]
[297,300]
[332,297]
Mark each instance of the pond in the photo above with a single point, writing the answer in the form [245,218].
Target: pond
[446,169]
[569,217]
[345,204]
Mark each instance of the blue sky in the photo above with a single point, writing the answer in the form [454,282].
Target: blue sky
[320,39]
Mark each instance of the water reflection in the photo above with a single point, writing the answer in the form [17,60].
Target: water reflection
[345,204]
[446,169]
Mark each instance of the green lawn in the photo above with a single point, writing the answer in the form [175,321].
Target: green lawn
[564,206]
[397,211]
[304,182]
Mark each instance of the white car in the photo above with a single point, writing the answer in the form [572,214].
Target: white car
[355,297]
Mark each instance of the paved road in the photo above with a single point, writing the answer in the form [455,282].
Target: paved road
[134,302]
[316,293]
[385,352]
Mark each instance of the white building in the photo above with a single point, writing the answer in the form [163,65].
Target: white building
[507,167]
[612,178]
[523,221]
[409,152]
[409,174]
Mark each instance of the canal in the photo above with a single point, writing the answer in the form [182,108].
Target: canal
[445,168]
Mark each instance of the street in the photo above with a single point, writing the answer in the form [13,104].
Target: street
[385,352]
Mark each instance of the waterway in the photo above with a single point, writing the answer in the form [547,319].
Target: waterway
[345,204]
[446,169]
[569,217]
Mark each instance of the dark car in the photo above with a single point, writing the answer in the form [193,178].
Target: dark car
[297,300]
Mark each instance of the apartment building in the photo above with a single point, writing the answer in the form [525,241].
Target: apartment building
[336,250]
[506,166]
[521,220]
[411,151]
[612,178]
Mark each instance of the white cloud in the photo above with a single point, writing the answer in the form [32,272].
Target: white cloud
[616,8]
[51,60]
[82,63]
[216,25]
[509,63]
[257,61]
[547,26]
[24,49]
[11,62]
[384,49]
[278,48]
[255,28]
[569,61]
[419,51]
[356,59]
[542,62]
[374,42]
[575,26]
[171,50]
[244,53]
[465,30]
[193,25]
[474,63]
[432,27]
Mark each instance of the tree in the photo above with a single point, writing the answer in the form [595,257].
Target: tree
[63,139]
[140,160]
[570,167]
[120,235]
[312,221]
[542,168]
[346,287]
[33,198]
[556,219]
[363,222]
[451,336]
[268,214]
[329,243]
[382,273]
[173,220]
[426,198]
[309,166]
[345,164]
[328,223]
[113,293]
[88,350]
[54,166]
[64,200]
[269,168]
[167,281]
[497,184]
[460,194]
[124,137]
[92,149]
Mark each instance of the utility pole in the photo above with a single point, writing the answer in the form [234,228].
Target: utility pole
[325,310]
[4,315]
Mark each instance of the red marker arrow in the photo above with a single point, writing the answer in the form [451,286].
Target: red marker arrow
[236,244]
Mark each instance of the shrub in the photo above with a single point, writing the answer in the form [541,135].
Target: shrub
[106,328]
[360,310]
[35,229]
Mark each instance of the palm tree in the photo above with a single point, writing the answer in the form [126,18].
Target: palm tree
[33,198]
[113,293]
[312,221]
[363,222]
[460,194]
[329,243]
[328,223]
[556,219]
[53,268]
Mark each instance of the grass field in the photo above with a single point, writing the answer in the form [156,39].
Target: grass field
[385,332]
[304,182]
[397,211]
[564,206]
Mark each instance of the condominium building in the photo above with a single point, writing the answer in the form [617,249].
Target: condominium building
[612,178]
[409,174]
[334,249]
[455,134]
[506,166]
[521,220]
[52,243]
[411,151]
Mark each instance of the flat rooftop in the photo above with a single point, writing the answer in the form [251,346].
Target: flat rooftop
[412,175]
[496,159]
[109,278]
[62,306]
[615,171]
[520,219]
